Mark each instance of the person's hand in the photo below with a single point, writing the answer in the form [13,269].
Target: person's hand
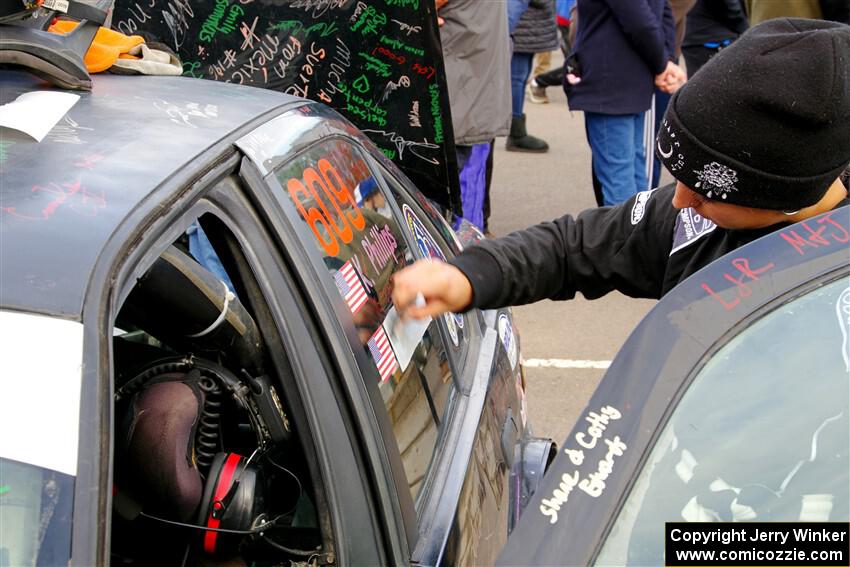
[443,286]
[671,78]
[440,4]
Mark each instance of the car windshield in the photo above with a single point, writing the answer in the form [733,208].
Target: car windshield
[35,515]
[762,433]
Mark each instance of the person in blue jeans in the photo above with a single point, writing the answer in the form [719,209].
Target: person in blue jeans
[533,31]
[623,49]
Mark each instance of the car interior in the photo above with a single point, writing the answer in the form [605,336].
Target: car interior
[207,468]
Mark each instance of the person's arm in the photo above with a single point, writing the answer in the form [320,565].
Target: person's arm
[669,27]
[644,31]
[623,248]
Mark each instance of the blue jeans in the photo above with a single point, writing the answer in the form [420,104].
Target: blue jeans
[520,70]
[619,157]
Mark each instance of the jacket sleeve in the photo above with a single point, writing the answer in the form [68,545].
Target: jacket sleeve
[643,29]
[669,23]
[735,17]
[621,248]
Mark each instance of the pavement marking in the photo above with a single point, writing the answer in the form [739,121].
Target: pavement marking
[564,363]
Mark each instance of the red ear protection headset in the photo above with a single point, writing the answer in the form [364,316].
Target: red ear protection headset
[233,500]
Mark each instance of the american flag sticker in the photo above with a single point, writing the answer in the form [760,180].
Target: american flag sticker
[350,286]
[382,354]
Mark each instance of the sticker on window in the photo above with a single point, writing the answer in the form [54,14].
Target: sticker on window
[429,249]
[326,204]
[382,353]
[506,334]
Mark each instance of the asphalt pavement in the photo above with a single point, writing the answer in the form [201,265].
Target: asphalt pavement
[566,345]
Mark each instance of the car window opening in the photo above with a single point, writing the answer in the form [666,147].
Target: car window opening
[207,469]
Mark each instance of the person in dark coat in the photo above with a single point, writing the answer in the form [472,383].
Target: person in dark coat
[621,48]
[757,140]
[711,25]
[535,32]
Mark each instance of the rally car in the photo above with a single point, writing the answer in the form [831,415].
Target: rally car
[201,361]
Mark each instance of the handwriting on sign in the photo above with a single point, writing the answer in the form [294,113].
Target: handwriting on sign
[340,62]
[413,115]
[358,9]
[370,21]
[328,228]
[301,87]
[318,7]
[389,55]
[222,20]
[401,144]
[322,29]
[403,81]
[404,3]
[71,194]
[192,69]
[376,65]
[407,28]
[743,275]
[390,83]
[823,232]
[362,108]
[139,16]
[426,70]
[177,16]
[402,46]
[436,113]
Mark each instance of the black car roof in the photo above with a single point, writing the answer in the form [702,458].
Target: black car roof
[650,373]
[62,199]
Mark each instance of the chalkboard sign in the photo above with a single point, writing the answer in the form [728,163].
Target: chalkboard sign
[377,62]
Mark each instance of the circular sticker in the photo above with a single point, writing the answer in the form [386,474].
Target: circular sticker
[506,334]
[429,249]
[450,324]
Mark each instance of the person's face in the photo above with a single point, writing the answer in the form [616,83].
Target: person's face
[725,215]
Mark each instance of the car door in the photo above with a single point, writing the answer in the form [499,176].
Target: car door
[483,510]
[312,466]
[422,400]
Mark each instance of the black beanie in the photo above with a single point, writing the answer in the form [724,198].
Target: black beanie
[766,122]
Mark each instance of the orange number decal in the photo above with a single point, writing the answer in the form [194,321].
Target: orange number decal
[313,217]
[314,181]
[341,193]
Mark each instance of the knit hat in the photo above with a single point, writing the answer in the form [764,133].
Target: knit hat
[766,122]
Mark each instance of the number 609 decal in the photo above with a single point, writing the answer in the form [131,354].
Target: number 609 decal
[337,224]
